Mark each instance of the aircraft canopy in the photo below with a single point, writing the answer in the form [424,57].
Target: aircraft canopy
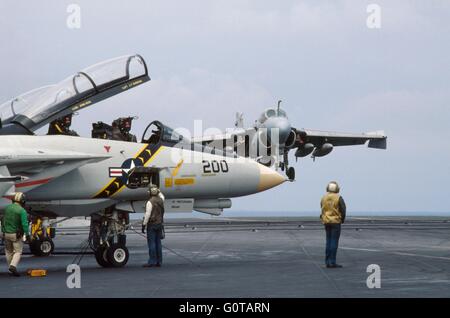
[38,107]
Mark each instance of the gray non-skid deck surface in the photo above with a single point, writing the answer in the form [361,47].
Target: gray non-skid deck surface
[257,257]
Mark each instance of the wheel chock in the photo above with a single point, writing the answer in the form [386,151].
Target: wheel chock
[37,272]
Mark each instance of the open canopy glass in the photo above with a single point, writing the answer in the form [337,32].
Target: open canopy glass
[36,108]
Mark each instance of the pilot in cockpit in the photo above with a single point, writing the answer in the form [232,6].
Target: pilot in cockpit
[61,126]
[121,129]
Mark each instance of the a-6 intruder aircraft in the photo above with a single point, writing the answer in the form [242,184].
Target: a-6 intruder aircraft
[272,137]
[67,176]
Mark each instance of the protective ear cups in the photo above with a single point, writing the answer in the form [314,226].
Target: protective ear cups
[19,197]
[153,189]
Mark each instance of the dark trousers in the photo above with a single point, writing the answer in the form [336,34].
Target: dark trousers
[154,232]
[333,232]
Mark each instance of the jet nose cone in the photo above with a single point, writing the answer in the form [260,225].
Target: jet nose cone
[280,126]
[269,178]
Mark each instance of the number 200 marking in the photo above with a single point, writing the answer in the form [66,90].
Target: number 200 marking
[215,166]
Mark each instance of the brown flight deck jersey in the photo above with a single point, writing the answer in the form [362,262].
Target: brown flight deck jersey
[157,215]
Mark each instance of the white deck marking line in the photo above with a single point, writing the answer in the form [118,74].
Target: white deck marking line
[396,253]
[240,220]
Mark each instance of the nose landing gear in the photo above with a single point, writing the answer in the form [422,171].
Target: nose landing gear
[42,235]
[284,165]
[290,172]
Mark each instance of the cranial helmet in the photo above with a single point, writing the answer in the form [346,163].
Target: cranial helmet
[123,123]
[153,189]
[65,121]
[19,197]
[333,187]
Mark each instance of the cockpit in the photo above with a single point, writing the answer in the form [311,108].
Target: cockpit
[271,113]
[157,132]
[32,110]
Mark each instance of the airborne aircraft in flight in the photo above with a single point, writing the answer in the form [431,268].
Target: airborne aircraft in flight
[272,136]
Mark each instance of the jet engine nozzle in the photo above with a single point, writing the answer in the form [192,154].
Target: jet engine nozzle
[290,141]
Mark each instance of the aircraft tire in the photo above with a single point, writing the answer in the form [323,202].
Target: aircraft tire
[42,247]
[101,257]
[117,255]
[291,173]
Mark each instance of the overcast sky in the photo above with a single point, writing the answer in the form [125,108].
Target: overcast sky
[209,59]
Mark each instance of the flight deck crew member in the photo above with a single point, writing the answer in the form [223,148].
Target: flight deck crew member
[61,126]
[153,221]
[333,215]
[14,226]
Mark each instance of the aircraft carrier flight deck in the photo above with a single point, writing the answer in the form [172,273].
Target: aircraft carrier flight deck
[253,257]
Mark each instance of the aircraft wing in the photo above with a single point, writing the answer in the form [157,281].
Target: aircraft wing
[33,163]
[34,168]
[318,137]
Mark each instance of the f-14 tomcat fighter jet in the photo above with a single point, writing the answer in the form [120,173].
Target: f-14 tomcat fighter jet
[67,176]
[272,136]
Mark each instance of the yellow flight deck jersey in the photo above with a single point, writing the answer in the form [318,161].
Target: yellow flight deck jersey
[333,209]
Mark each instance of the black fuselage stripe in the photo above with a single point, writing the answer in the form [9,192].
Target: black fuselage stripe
[118,183]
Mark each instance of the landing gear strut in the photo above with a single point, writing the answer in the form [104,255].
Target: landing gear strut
[42,235]
[290,171]
[107,238]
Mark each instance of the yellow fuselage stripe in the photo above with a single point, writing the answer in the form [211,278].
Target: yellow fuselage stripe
[177,168]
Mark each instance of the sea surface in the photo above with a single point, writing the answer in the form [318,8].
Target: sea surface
[297,214]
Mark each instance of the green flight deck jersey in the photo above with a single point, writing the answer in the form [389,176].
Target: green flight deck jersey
[15,219]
